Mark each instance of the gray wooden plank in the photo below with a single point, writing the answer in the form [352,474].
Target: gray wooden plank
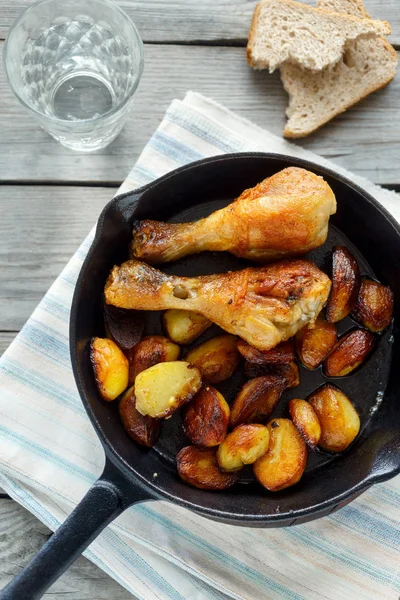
[22,535]
[225,21]
[41,227]
[6,337]
[365,138]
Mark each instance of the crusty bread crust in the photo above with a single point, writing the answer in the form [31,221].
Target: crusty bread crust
[252,34]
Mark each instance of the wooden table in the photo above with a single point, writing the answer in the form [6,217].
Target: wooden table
[50,196]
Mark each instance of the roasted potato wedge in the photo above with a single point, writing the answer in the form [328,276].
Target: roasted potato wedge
[338,418]
[282,354]
[184,326]
[199,467]
[217,358]
[306,421]
[345,285]
[286,457]
[374,308]
[289,372]
[166,386]
[351,350]
[205,418]
[124,327]
[243,446]
[144,430]
[149,351]
[314,345]
[256,400]
[111,368]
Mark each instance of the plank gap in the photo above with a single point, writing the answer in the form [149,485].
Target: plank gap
[62,183]
[394,187]
[221,42]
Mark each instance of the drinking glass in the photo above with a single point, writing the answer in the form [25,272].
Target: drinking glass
[75,64]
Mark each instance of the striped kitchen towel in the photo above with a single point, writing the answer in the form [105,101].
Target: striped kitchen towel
[50,455]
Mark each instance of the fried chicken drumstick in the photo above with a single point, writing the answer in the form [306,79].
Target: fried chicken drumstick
[284,215]
[264,306]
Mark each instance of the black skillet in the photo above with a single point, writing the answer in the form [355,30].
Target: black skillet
[329,482]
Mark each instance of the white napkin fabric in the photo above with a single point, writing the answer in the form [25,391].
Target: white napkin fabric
[50,455]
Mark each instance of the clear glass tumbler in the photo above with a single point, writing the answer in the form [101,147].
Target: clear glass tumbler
[75,64]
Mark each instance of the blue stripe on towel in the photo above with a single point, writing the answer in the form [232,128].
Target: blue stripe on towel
[227,560]
[42,384]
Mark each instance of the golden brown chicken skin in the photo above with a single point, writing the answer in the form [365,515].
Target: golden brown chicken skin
[284,215]
[264,306]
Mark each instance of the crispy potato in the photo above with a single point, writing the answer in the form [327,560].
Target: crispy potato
[217,358]
[256,400]
[166,386]
[374,308]
[338,418]
[282,354]
[351,350]
[285,461]
[243,446]
[144,430]
[205,419]
[345,285]
[111,368]
[184,326]
[149,351]
[306,421]
[289,372]
[199,467]
[124,327]
[314,345]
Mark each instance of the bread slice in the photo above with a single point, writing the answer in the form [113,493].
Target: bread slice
[315,98]
[314,38]
[348,7]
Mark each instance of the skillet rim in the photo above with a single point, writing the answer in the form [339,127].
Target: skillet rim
[133,475]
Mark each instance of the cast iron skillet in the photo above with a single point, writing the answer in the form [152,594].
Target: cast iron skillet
[329,482]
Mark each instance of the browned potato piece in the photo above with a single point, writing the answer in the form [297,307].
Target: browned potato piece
[111,368]
[285,461]
[314,345]
[289,372]
[243,446]
[351,350]
[199,467]
[149,351]
[184,326]
[345,285]
[166,386]
[205,419]
[217,358]
[338,418]
[256,400]
[144,430]
[282,354]
[124,327]
[306,421]
[374,308]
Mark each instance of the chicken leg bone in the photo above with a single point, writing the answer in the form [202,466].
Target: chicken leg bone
[284,215]
[264,306]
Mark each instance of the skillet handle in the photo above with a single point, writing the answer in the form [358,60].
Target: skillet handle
[108,497]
